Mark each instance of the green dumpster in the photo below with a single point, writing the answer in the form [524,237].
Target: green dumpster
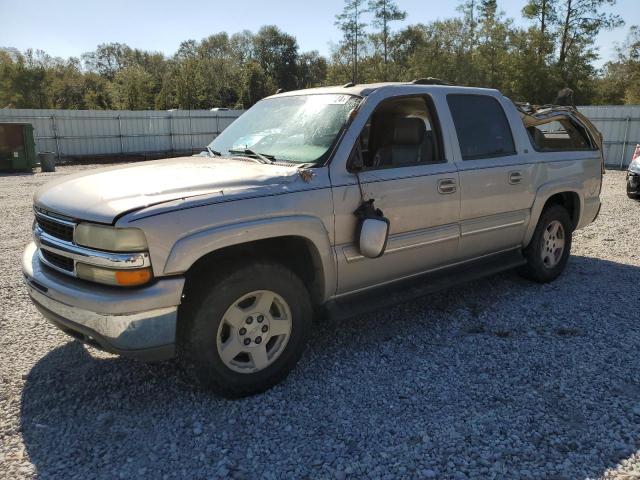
[17,147]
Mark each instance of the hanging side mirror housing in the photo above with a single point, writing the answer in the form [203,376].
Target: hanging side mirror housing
[373,236]
[373,230]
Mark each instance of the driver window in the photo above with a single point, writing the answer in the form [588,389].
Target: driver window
[400,133]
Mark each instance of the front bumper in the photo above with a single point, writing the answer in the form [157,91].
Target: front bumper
[139,323]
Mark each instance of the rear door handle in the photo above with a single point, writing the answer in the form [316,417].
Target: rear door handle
[515,177]
[446,186]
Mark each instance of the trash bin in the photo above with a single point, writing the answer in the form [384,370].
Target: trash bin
[47,161]
[17,147]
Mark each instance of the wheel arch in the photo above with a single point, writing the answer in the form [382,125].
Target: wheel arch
[306,250]
[570,201]
[567,196]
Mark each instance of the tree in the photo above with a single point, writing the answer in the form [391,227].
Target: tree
[469,25]
[107,60]
[538,78]
[582,20]
[545,13]
[132,89]
[621,80]
[66,88]
[96,92]
[493,47]
[385,12]
[255,85]
[10,96]
[349,22]
[312,70]
[220,71]
[241,45]
[479,47]
[277,54]
[468,10]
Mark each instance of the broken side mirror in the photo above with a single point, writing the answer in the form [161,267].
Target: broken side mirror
[374,233]
[373,230]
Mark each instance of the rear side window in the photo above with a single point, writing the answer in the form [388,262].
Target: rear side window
[481,125]
[557,136]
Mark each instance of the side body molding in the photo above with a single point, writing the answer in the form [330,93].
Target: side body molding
[188,250]
[546,191]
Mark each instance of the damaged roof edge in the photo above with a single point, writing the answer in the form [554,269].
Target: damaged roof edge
[365,89]
[533,115]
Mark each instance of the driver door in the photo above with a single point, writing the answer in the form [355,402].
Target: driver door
[408,174]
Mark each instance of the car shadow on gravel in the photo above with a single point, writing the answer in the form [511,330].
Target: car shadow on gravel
[501,378]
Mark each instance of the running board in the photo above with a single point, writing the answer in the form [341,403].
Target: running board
[402,291]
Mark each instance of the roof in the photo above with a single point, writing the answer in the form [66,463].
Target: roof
[365,89]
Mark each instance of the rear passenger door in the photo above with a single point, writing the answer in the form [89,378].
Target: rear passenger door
[497,179]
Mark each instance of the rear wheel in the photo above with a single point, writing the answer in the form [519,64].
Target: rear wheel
[247,329]
[548,252]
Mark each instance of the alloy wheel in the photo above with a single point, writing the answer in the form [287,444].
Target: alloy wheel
[553,242]
[254,331]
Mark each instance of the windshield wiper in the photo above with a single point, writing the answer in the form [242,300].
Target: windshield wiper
[266,158]
[213,153]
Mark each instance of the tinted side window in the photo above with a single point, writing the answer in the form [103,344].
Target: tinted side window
[401,132]
[482,127]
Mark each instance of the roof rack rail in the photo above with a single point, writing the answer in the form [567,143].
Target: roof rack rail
[349,85]
[429,81]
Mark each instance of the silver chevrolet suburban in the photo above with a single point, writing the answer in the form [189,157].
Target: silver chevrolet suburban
[330,200]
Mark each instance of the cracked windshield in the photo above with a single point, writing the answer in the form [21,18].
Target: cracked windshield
[300,128]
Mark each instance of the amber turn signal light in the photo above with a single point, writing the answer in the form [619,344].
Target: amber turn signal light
[130,278]
[122,278]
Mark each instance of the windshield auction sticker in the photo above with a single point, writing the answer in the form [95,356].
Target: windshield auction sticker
[330,99]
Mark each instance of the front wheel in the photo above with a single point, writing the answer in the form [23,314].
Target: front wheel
[247,329]
[548,252]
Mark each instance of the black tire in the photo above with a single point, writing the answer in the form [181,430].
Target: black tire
[631,192]
[536,269]
[202,313]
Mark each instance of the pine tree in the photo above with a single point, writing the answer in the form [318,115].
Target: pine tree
[385,12]
[349,21]
[545,13]
[583,20]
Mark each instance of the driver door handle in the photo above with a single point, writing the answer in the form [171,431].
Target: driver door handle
[447,186]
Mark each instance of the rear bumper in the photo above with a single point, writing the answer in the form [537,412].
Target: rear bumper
[139,323]
[633,184]
[590,211]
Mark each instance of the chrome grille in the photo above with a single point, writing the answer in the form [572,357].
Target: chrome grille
[54,239]
[62,262]
[56,228]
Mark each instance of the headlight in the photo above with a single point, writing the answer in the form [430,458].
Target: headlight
[112,239]
[121,278]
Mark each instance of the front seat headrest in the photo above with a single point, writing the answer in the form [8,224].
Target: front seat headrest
[408,131]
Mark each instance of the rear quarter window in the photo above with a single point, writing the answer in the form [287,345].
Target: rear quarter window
[481,125]
[558,136]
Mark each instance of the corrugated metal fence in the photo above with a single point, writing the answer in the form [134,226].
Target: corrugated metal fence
[82,133]
[620,127]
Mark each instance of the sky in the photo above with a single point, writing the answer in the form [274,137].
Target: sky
[70,27]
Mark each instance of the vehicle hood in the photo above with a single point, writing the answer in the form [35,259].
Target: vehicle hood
[102,195]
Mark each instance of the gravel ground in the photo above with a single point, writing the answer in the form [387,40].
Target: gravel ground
[500,378]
